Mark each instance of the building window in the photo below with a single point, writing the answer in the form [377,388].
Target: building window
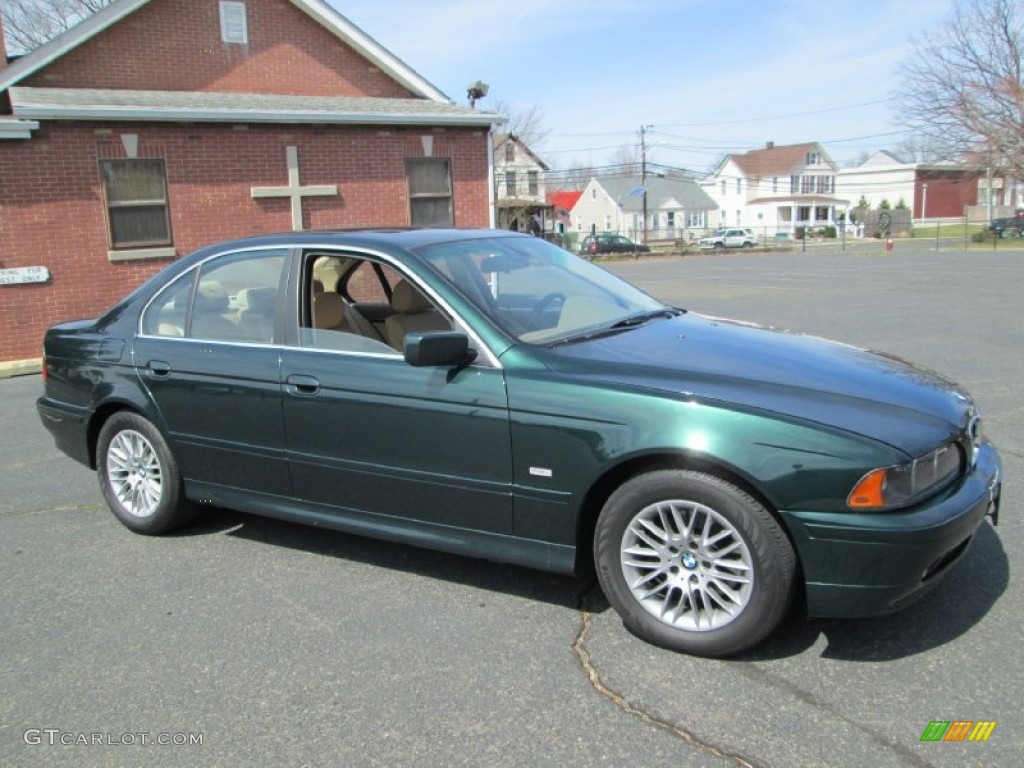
[695,220]
[794,184]
[135,192]
[430,192]
[670,219]
[812,158]
[510,152]
[233,27]
[775,183]
[593,193]
[510,183]
[533,181]
[739,186]
[723,186]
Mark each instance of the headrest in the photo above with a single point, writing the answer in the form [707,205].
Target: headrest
[211,297]
[406,300]
[328,310]
[257,299]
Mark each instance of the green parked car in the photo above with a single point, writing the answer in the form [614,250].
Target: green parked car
[489,394]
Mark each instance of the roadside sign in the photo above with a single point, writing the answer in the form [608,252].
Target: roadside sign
[22,275]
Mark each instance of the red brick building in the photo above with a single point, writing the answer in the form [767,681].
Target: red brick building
[157,126]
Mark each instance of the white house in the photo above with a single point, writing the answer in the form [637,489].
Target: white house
[777,189]
[882,177]
[676,208]
[931,191]
[520,187]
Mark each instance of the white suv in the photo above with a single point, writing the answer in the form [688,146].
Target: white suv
[729,238]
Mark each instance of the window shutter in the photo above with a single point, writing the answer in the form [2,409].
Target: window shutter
[233,28]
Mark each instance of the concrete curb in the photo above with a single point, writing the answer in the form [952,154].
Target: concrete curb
[20,367]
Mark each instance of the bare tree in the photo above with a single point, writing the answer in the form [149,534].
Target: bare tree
[962,86]
[30,23]
[626,159]
[920,148]
[526,124]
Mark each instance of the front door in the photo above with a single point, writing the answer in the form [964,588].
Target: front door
[369,433]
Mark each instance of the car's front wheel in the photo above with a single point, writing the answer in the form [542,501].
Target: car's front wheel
[693,563]
[139,477]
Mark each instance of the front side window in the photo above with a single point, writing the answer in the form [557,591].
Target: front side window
[135,192]
[430,192]
[371,310]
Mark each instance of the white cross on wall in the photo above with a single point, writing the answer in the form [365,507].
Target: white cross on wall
[294,190]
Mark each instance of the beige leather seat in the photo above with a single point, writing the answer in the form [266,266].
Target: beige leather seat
[329,312]
[412,312]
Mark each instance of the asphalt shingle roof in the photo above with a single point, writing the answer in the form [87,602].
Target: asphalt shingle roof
[243,107]
[660,191]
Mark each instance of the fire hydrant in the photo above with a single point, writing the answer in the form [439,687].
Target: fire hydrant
[888,244]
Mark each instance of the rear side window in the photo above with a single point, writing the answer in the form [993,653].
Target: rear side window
[232,298]
[167,315]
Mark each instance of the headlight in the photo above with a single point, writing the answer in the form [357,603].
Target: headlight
[904,484]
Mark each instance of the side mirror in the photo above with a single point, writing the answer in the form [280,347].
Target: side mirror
[438,348]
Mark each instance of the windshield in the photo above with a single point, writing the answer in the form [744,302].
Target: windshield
[535,291]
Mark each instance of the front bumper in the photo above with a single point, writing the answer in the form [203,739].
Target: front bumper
[858,564]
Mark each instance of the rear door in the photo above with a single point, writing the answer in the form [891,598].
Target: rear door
[208,354]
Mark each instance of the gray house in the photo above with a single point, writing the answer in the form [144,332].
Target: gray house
[676,208]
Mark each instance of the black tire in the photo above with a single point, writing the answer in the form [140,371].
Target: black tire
[139,477]
[687,582]
[719,247]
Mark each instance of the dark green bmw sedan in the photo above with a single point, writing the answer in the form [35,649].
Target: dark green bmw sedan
[489,394]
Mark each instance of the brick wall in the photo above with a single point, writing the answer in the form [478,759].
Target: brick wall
[52,212]
[176,45]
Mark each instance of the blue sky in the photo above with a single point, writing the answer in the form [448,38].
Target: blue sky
[710,76]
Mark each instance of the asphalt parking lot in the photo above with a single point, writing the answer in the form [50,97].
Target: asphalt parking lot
[276,644]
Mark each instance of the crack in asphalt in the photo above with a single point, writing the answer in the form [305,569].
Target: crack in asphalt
[645,716]
[63,508]
[760,675]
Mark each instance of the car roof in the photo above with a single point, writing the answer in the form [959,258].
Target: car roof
[378,238]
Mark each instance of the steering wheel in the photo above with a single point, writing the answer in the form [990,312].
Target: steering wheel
[538,310]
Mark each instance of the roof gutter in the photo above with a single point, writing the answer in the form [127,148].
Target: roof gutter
[187,115]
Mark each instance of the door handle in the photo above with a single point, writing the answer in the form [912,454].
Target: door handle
[158,369]
[300,384]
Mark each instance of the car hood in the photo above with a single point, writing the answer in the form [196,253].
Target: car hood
[803,377]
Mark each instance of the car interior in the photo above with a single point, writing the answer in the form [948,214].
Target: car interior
[364,299]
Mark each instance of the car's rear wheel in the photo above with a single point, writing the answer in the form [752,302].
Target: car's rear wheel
[719,246]
[693,563]
[139,477]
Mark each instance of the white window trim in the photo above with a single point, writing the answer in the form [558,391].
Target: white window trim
[136,254]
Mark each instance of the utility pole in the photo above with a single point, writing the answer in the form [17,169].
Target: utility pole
[643,174]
